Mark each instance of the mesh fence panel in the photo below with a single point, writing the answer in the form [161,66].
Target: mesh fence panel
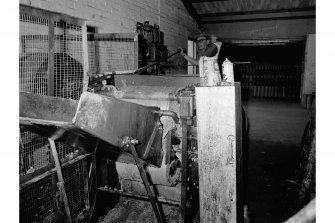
[64,149]
[33,57]
[110,52]
[34,152]
[74,186]
[36,202]
[68,61]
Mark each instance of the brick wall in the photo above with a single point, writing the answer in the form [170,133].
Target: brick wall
[120,16]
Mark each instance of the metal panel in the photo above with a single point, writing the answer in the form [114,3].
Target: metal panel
[97,117]
[111,119]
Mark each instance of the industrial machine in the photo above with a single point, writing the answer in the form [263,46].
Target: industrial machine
[160,138]
[141,136]
[97,124]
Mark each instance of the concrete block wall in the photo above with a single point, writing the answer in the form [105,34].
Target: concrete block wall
[121,16]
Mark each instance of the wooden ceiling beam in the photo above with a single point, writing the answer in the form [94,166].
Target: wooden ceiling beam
[201,1]
[189,7]
[259,19]
[257,12]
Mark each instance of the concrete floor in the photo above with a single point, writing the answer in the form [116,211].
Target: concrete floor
[276,129]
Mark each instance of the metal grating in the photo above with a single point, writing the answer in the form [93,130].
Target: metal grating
[34,152]
[37,199]
[68,61]
[74,186]
[110,52]
[33,54]
[63,149]
[36,202]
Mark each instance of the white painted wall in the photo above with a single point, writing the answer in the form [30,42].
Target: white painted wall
[120,16]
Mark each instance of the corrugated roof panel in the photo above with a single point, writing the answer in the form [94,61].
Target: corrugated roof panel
[249,5]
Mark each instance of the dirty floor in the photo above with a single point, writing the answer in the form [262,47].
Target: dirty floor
[276,129]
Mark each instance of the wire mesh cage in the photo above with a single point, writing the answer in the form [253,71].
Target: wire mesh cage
[74,181]
[51,56]
[34,152]
[112,51]
[51,62]
[68,60]
[38,200]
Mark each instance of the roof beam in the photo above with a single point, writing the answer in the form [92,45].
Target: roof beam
[259,19]
[201,1]
[188,5]
[254,17]
[257,12]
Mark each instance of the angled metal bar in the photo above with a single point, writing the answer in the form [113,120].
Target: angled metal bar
[60,183]
[143,174]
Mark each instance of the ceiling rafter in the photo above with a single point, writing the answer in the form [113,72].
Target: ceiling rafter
[201,1]
[189,7]
[257,12]
[260,19]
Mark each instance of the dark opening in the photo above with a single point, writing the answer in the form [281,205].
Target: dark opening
[267,69]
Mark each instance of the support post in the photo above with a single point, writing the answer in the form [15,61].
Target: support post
[85,56]
[51,57]
[220,153]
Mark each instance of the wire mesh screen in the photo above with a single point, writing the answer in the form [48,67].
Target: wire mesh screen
[74,185]
[33,61]
[37,202]
[68,60]
[40,199]
[110,52]
[34,152]
[34,57]
[64,149]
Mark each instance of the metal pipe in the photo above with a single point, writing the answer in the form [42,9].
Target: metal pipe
[154,63]
[171,114]
[106,75]
[147,96]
